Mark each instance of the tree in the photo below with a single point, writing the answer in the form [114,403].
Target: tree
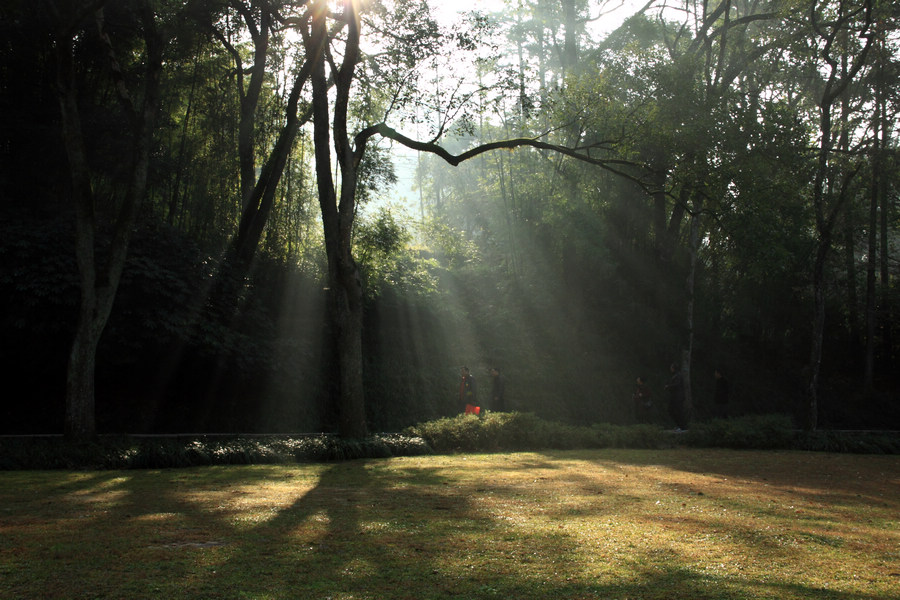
[258,190]
[99,279]
[338,200]
[829,23]
[879,202]
[673,103]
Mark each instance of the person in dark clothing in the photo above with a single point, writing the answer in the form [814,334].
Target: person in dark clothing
[468,395]
[642,400]
[498,389]
[675,388]
[720,396]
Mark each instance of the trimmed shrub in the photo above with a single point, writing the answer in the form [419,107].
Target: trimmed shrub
[633,436]
[18,453]
[758,432]
[855,442]
[495,432]
[525,431]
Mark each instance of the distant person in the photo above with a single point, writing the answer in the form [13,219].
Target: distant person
[675,389]
[643,403]
[468,395]
[498,391]
[720,396]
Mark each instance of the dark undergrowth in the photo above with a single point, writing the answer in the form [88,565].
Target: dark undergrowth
[495,432]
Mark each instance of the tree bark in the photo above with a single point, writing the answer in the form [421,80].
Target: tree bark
[179,172]
[871,269]
[849,234]
[344,281]
[79,418]
[259,204]
[853,328]
[99,283]
[881,114]
[687,352]
[825,208]
[249,94]
[811,414]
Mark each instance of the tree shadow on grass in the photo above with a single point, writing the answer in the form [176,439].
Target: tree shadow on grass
[355,533]
[406,534]
[764,509]
[361,534]
[356,530]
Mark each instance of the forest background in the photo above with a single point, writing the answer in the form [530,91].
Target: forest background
[709,184]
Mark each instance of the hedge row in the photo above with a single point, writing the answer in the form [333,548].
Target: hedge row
[495,432]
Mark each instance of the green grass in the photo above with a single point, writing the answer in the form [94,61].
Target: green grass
[579,524]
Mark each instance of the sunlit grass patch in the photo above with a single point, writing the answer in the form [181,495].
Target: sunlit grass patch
[648,524]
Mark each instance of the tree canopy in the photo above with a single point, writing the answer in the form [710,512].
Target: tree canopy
[292,215]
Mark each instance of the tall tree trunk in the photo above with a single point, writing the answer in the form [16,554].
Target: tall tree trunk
[99,283]
[853,329]
[345,283]
[179,172]
[79,418]
[881,113]
[524,104]
[259,204]
[249,95]
[872,239]
[257,193]
[849,234]
[350,304]
[570,41]
[347,314]
[811,416]
[660,235]
[825,211]
[825,207]
[687,351]
[871,269]
[887,338]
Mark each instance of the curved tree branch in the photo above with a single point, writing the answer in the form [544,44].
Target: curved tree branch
[617,166]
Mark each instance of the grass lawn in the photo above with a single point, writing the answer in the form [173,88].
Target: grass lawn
[604,524]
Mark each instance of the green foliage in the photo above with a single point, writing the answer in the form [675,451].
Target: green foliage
[860,442]
[493,432]
[633,436]
[17,453]
[765,432]
[776,432]
[525,431]
[449,245]
[383,247]
[39,285]
[569,277]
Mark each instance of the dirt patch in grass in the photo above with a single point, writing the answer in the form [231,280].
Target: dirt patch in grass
[563,525]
